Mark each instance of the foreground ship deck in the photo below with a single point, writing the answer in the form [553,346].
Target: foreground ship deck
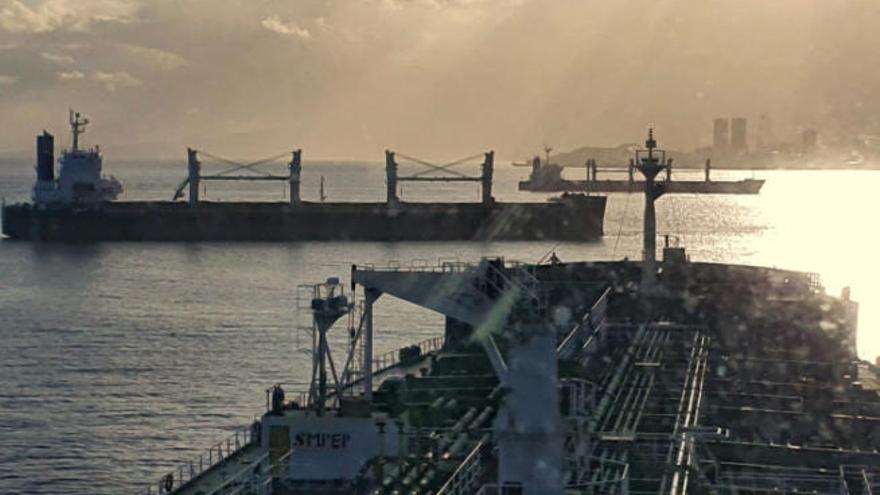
[578,378]
[727,379]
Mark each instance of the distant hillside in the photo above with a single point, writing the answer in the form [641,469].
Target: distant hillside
[618,156]
[13,155]
[824,158]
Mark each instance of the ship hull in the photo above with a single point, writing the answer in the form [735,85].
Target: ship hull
[747,186]
[574,219]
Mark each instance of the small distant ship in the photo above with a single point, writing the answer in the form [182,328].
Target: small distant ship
[80,205]
[605,377]
[547,177]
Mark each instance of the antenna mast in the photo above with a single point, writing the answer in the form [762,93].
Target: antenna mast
[77,127]
[547,150]
[650,166]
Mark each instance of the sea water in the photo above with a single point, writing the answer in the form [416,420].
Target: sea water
[120,361]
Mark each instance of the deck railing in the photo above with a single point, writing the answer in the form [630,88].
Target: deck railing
[249,478]
[185,473]
[467,475]
[869,481]
[588,324]
[419,265]
[384,362]
[616,485]
[392,358]
[442,265]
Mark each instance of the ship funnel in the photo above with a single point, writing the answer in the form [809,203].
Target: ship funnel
[45,157]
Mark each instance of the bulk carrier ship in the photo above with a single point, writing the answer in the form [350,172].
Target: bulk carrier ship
[80,205]
[616,377]
[547,177]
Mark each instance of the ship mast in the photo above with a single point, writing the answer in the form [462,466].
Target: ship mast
[77,127]
[650,166]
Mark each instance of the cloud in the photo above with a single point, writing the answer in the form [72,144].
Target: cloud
[277,25]
[72,47]
[114,80]
[437,4]
[160,59]
[73,15]
[71,75]
[7,80]
[58,58]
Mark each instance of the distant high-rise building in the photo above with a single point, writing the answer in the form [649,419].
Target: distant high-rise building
[764,138]
[738,134]
[809,140]
[721,134]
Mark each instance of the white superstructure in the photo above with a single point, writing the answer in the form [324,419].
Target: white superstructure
[79,178]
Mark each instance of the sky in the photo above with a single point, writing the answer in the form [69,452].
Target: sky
[437,79]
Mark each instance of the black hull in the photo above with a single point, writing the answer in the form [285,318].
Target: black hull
[747,186]
[578,218]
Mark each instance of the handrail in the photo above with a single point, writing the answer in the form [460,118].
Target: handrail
[464,475]
[235,478]
[301,397]
[443,265]
[214,455]
[571,337]
[598,311]
[869,485]
[585,487]
[392,358]
[278,464]
[384,362]
[589,322]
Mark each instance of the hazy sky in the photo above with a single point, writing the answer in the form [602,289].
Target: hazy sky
[433,78]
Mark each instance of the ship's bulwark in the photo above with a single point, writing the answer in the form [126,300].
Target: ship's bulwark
[578,218]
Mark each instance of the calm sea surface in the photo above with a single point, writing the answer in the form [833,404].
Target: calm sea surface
[119,361]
